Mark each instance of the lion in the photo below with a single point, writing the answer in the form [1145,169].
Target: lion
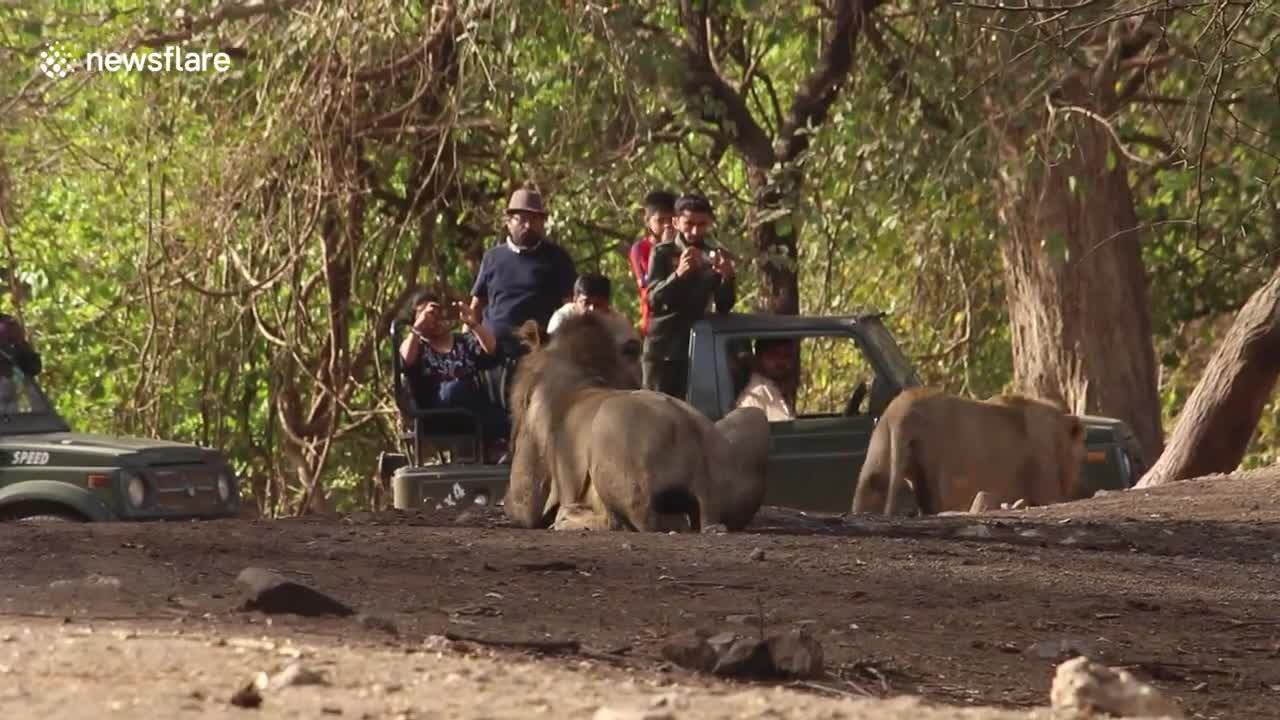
[592,451]
[937,451]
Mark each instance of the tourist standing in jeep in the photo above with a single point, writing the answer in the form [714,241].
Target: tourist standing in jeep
[659,209]
[685,276]
[525,278]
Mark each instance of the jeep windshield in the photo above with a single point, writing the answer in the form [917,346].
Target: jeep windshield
[875,333]
[24,408]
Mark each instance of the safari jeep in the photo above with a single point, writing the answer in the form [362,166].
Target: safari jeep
[850,369]
[48,472]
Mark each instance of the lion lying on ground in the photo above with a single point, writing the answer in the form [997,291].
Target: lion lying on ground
[590,450]
[937,451]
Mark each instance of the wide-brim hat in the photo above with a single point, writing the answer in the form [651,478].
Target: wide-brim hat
[526,201]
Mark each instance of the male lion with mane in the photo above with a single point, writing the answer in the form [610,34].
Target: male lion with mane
[592,451]
[937,451]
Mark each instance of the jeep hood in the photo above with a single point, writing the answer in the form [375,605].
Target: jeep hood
[141,451]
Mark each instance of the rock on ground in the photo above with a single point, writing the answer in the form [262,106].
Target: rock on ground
[1084,686]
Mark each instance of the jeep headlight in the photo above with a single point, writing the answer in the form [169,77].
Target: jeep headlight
[135,488]
[225,484]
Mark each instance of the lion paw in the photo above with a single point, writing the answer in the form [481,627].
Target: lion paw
[579,517]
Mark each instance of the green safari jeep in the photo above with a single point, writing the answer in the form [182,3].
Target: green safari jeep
[48,472]
[850,368]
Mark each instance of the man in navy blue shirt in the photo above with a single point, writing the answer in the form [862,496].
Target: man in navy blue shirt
[525,278]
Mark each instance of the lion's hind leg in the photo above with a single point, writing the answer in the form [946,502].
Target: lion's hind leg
[909,486]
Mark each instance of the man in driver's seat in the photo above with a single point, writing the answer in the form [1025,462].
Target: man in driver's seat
[771,365]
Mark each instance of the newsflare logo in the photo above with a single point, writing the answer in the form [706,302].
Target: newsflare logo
[57,63]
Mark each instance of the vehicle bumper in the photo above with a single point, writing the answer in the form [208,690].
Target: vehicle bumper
[418,487]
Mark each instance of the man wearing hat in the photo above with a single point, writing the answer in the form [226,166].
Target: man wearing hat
[526,277]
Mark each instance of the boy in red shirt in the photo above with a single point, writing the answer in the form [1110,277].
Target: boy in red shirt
[659,209]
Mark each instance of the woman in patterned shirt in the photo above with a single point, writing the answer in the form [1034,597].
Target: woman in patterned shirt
[447,364]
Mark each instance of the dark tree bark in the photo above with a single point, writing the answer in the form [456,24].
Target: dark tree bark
[774,181]
[1220,416]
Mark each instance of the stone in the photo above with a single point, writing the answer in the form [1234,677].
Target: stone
[981,532]
[690,650]
[274,594]
[1083,686]
[982,502]
[250,694]
[796,654]
[720,642]
[757,554]
[745,658]
[296,674]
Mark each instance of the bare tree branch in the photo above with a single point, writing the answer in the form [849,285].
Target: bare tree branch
[822,87]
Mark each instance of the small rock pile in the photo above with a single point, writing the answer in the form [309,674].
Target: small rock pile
[793,654]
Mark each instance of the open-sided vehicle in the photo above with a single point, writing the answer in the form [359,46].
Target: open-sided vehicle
[851,368]
[48,472]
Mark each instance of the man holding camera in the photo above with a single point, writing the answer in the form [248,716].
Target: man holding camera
[685,277]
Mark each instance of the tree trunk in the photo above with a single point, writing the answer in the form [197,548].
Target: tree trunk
[1218,420]
[1080,322]
[775,241]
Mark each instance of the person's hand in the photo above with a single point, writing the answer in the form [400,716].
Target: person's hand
[470,316]
[690,260]
[723,265]
[420,318]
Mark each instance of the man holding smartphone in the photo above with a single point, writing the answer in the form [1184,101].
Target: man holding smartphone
[685,277]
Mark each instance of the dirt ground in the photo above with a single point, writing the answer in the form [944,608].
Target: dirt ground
[1177,584]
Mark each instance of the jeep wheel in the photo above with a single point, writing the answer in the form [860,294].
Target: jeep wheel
[1137,463]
